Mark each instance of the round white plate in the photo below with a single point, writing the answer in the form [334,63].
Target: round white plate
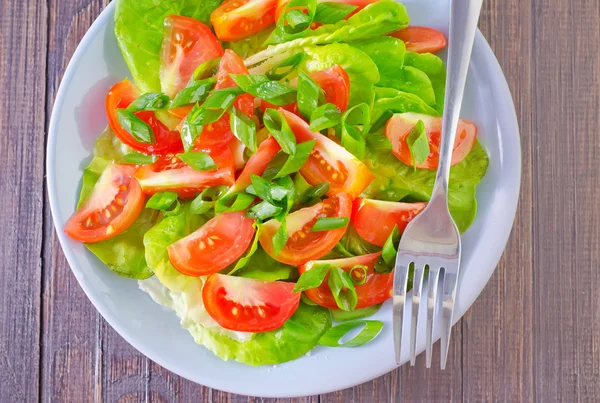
[77,119]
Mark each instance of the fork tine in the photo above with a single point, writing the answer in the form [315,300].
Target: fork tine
[399,299]
[432,285]
[416,300]
[448,297]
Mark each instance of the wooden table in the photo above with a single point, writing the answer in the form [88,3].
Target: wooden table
[534,334]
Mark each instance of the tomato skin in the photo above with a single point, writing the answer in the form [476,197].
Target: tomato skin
[248,305]
[374,220]
[214,246]
[120,96]
[336,84]
[399,126]
[257,164]
[421,39]
[348,173]
[376,289]
[238,19]
[169,173]
[304,245]
[187,43]
[116,191]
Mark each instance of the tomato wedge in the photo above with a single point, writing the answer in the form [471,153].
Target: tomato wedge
[374,220]
[330,162]
[304,245]
[400,125]
[421,39]
[248,305]
[120,96]
[170,173]
[257,164]
[214,246]
[238,19]
[113,206]
[376,289]
[335,83]
[187,43]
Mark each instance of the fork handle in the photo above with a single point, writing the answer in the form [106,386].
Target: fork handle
[464,15]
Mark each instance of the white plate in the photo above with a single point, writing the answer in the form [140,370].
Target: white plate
[77,119]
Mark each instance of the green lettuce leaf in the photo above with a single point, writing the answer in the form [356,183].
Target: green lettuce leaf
[397,181]
[390,99]
[361,70]
[376,19]
[296,337]
[261,266]
[434,68]
[139,32]
[251,45]
[123,254]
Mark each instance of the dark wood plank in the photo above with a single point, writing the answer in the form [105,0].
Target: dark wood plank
[72,350]
[497,341]
[22,118]
[565,56]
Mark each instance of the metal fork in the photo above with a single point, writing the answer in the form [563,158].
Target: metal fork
[432,239]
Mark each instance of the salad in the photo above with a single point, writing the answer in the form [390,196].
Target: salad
[259,169]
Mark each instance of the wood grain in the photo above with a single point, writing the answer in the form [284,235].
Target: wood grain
[533,335]
[22,118]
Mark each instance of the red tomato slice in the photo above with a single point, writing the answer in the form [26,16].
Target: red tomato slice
[375,290]
[120,96]
[399,126]
[374,220]
[248,305]
[187,43]
[360,4]
[170,173]
[421,39]
[336,84]
[330,162]
[304,245]
[113,206]
[257,164]
[238,19]
[214,246]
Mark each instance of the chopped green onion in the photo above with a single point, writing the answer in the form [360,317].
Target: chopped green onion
[234,202]
[280,129]
[276,73]
[297,160]
[196,92]
[280,238]
[312,278]
[283,31]
[381,121]
[313,194]
[343,316]
[198,160]
[135,126]
[308,95]
[174,211]
[358,274]
[215,106]
[329,223]
[205,200]
[243,261]
[190,132]
[352,138]
[388,253]
[243,128]
[370,330]
[161,201]
[260,86]
[137,159]
[263,210]
[297,19]
[261,188]
[324,117]
[418,143]
[330,12]
[151,101]
[206,69]
[342,289]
